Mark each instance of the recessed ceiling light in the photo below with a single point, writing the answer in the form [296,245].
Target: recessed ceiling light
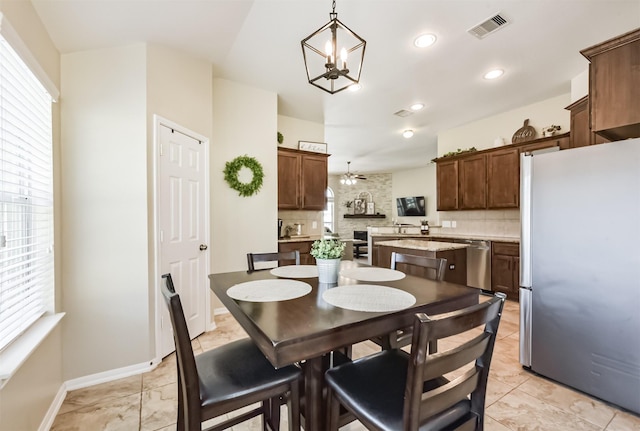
[425,40]
[355,87]
[417,106]
[407,133]
[493,74]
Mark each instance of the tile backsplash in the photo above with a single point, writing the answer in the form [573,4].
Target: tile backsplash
[486,222]
[305,218]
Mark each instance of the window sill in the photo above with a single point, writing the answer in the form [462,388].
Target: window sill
[12,358]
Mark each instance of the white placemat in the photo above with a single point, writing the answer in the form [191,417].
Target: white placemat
[372,274]
[269,290]
[295,271]
[368,297]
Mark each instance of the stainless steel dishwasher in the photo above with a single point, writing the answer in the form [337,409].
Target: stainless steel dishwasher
[478,263]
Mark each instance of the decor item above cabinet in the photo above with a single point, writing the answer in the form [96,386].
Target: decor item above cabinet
[614,86]
[302,180]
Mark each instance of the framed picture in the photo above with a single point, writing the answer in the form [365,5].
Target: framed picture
[359,206]
[371,208]
[315,147]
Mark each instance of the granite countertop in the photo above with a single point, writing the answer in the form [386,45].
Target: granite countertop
[452,236]
[415,244]
[303,238]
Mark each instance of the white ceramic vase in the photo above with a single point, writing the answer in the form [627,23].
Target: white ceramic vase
[328,270]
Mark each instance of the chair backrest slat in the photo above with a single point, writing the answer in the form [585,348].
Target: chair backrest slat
[280,257]
[428,393]
[436,266]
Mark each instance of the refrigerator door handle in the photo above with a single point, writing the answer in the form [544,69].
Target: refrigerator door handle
[525,327]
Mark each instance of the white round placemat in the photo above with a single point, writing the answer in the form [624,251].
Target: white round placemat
[368,297]
[269,290]
[295,271]
[372,274]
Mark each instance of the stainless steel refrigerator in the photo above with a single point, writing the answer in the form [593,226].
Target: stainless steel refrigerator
[580,269]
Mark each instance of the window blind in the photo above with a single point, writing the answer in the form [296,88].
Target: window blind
[26,197]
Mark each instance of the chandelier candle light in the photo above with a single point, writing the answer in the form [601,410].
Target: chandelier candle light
[324,69]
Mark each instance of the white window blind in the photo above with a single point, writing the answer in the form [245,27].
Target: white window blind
[26,197]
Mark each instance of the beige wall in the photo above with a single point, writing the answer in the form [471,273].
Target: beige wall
[28,395]
[481,134]
[294,130]
[244,122]
[104,161]
[416,182]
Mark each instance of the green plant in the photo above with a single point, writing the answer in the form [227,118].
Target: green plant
[280,138]
[232,168]
[348,204]
[455,153]
[327,249]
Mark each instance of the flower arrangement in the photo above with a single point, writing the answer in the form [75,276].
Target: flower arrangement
[550,130]
[327,249]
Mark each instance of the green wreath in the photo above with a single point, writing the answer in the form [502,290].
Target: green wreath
[232,168]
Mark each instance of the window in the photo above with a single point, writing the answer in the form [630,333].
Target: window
[327,216]
[26,196]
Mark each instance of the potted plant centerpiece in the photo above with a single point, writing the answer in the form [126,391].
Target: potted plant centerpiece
[328,253]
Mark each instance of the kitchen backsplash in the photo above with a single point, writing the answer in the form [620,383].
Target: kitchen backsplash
[486,222]
[305,218]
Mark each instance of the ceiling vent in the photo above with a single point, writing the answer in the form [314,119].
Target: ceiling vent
[489,26]
[403,113]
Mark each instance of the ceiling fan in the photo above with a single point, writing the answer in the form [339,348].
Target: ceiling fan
[349,178]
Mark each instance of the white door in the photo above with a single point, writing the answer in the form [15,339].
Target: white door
[182,222]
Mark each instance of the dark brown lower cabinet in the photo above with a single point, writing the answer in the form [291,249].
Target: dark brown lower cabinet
[505,268]
[456,271]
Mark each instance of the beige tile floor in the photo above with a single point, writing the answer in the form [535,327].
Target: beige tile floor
[516,399]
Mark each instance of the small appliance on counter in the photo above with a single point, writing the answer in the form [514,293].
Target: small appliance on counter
[279,228]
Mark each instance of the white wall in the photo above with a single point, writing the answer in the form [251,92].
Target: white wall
[580,86]
[244,122]
[481,134]
[27,396]
[104,165]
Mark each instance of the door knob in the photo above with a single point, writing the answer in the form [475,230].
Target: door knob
[203,247]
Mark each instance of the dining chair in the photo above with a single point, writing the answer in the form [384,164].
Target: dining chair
[436,268]
[228,378]
[394,390]
[252,258]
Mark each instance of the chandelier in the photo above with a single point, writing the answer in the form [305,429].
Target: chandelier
[320,51]
[349,178]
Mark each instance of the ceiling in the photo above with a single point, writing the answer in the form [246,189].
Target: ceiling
[257,42]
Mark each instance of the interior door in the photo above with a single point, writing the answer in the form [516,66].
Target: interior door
[182,222]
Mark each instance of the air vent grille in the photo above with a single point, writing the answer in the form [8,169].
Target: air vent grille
[489,26]
[403,113]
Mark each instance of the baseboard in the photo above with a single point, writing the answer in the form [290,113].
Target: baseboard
[54,408]
[221,310]
[108,376]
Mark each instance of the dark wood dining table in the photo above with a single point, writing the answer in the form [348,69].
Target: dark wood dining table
[308,328]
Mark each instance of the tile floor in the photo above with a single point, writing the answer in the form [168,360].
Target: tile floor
[516,399]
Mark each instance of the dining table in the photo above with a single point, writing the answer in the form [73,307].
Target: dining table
[295,319]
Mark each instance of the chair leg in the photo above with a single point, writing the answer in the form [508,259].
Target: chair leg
[271,414]
[293,407]
[333,405]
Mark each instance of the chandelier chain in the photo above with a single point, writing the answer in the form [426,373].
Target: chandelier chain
[334,6]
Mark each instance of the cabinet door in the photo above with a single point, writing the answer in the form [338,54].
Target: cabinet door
[288,180]
[614,91]
[503,179]
[473,182]
[314,182]
[447,185]
[580,130]
[502,274]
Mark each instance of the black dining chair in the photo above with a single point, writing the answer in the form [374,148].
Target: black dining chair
[286,256]
[228,378]
[394,390]
[435,268]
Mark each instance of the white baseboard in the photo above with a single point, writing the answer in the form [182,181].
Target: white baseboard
[222,310]
[54,408]
[108,376]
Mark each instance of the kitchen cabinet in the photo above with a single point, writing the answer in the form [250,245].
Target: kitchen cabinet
[614,86]
[473,182]
[302,180]
[505,268]
[503,178]
[581,134]
[447,185]
[561,141]
[304,247]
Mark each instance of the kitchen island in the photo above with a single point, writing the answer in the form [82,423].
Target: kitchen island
[455,253]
